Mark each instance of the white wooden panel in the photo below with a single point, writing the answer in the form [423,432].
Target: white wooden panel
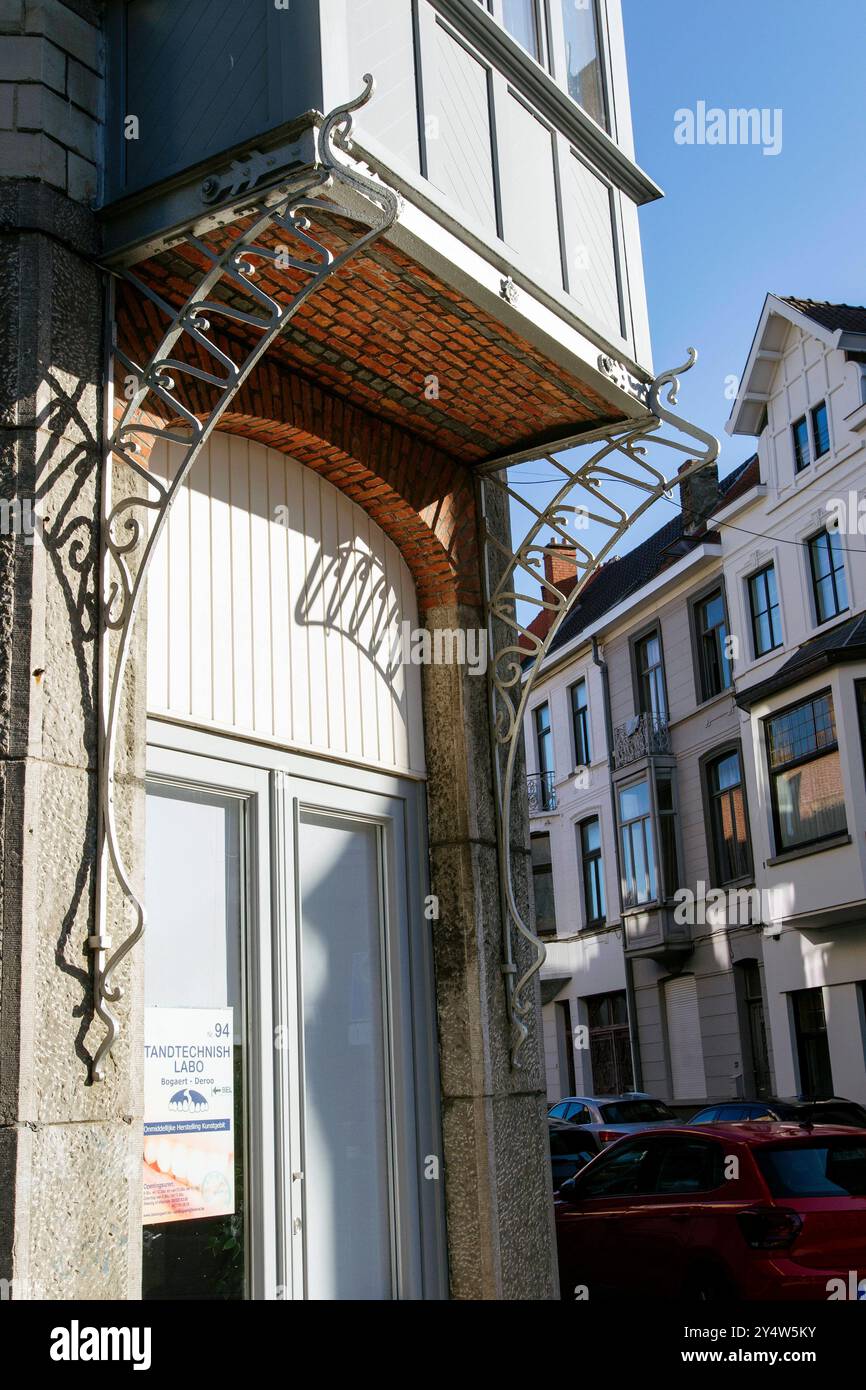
[275,609]
[381,40]
[590,246]
[684,1039]
[529,210]
[457,122]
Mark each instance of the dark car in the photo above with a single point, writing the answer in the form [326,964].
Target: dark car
[835,1111]
[570,1150]
[754,1211]
[610,1117]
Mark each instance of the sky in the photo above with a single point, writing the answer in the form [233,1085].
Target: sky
[736,223]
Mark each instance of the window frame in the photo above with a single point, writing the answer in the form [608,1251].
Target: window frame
[759,573]
[813,411]
[809,543]
[799,465]
[696,602]
[547,792]
[539,870]
[580,714]
[594,860]
[636,642]
[706,764]
[802,761]
[650,848]
[558,58]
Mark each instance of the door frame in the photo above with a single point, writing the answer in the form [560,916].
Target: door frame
[276,782]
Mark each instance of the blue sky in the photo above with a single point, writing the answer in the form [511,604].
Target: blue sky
[736,223]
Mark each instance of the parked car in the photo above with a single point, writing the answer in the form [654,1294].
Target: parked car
[610,1117]
[570,1150]
[666,1214]
[835,1111]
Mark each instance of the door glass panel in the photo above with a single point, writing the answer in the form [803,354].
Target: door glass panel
[347,1180]
[194,1048]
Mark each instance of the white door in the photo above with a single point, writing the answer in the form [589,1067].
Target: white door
[297,905]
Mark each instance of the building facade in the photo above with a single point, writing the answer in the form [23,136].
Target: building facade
[298,1084]
[696,738]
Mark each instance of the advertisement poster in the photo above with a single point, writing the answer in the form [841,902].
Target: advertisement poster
[188,1114]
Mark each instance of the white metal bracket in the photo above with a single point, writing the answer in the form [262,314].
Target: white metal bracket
[603,493]
[226,292]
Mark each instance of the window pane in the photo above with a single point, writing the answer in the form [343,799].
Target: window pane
[193,973]
[820,429]
[346,1127]
[802,458]
[591,835]
[810,801]
[520,21]
[583,70]
[634,801]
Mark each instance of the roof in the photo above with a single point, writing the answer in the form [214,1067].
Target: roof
[844,642]
[845,318]
[618,578]
[835,325]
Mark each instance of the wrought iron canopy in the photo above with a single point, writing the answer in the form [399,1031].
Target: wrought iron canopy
[601,495]
[155,410]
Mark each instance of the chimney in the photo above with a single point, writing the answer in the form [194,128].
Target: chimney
[562,566]
[699,496]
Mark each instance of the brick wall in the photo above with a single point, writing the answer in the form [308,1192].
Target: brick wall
[51,94]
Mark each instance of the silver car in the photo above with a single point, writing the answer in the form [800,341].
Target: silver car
[608,1118]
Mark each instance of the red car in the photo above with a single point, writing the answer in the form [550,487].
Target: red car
[751,1211]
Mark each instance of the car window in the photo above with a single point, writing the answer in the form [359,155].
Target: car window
[759,1112]
[558,1111]
[837,1115]
[689,1165]
[635,1112]
[823,1169]
[579,1115]
[732,1114]
[705,1117]
[623,1174]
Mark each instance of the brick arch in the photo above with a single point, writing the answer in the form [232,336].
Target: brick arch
[422,498]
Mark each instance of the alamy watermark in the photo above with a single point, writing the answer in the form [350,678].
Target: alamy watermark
[439,646]
[730,907]
[19,517]
[713,125]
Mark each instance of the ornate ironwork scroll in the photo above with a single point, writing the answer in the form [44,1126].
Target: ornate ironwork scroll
[156,411]
[603,494]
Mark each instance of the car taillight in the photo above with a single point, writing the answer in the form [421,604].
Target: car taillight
[607,1136]
[770,1228]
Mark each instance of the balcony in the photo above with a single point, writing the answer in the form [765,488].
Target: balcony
[643,736]
[653,933]
[541,793]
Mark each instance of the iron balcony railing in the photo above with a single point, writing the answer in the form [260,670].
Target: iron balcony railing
[541,793]
[640,737]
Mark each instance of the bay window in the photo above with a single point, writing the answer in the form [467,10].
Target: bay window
[805,770]
[639,883]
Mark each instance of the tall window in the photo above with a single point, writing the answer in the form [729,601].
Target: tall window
[821,430]
[729,827]
[650,676]
[813,1048]
[520,18]
[827,565]
[593,871]
[609,1044]
[542,884]
[667,813]
[712,635]
[764,606]
[800,434]
[544,745]
[636,840]
[583,57]
[580,725]
[805,774]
